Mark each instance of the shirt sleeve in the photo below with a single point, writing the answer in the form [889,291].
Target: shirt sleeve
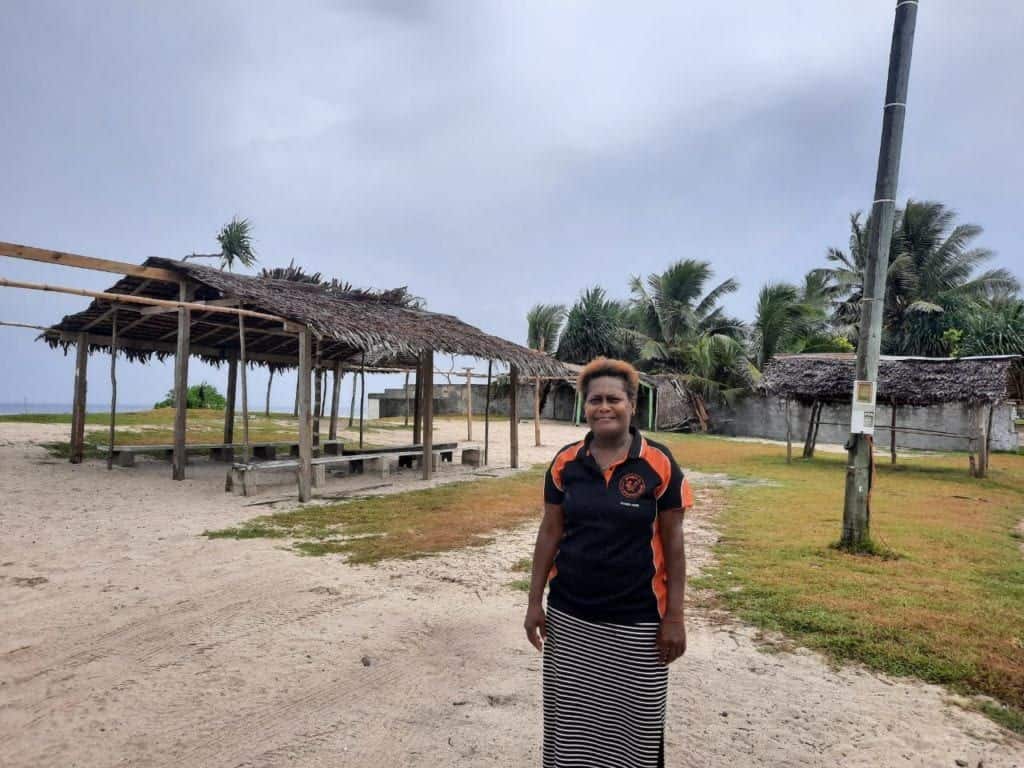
[677,494]
[554,492]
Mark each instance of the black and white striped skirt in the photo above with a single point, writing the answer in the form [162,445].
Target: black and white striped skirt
[604,694]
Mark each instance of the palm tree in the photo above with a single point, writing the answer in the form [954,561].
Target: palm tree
[671,310]
[930,282]
[678,326]
[792,319]
[595,325]
[543,326]
[940,283]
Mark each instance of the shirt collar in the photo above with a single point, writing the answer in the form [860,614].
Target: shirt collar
[636,444]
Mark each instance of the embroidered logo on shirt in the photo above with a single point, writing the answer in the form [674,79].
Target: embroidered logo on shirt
[632,486]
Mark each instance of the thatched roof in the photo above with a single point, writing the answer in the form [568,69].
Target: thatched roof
[350,325]
[829,377]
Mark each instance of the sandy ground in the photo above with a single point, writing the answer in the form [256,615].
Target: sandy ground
[129,640]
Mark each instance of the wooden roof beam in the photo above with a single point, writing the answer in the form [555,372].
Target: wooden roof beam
[18,251]
[167,347]
[128,298]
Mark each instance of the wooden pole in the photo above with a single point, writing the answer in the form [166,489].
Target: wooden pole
[335,397]
[513,417]
[113,388]
[808,451]
[181,385]
[128,298]
[789,436]
[78,409]
[536,411]
[487,412]
[817,425]
[417,422]
[362,398]
[298,388]
[318,391]
[983,444]
[352,404]
[229,406]
[892,433]
[427,373]
[243,364]
[469,403]
[305,471]
[405,392]
[270,381]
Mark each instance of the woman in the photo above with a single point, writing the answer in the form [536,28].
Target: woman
[610,547]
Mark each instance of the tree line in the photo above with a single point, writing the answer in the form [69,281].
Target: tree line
[940,302]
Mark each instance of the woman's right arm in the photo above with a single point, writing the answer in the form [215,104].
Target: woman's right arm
[548,539]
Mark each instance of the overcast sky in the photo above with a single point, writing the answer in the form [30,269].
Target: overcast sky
[488,155]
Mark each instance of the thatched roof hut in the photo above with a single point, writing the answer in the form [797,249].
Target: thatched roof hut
[349,324]
[916,381]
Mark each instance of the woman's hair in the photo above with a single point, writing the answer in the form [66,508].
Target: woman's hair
[603,366]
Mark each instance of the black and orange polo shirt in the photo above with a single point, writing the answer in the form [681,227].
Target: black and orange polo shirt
[610,565]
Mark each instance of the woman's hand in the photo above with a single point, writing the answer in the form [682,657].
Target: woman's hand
[671,640]
[536,631]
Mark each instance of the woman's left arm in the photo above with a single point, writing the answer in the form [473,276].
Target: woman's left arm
[672,634]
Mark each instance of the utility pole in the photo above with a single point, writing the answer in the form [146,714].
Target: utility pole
[856,513]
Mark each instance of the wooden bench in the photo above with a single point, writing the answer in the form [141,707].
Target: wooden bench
[245,476]
[124,455]
[407,453]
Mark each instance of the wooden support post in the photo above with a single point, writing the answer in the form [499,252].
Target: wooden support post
[513,416]
[113,389]
[298,387]
[352,404]
[892,433]
[405,393]
[243,364]
[318,390]
[78,409]
[817,425]
[427,374]
[808,450]
[335,397]
[487,412]
[417,416]
[305,470]
[789,436]
[536,411]
[469,403]
[362,398]
[983,441]
[229,405]
[181,385]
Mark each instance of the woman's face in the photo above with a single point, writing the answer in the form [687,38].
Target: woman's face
[607,408]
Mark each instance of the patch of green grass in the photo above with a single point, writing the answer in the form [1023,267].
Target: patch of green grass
[520,585]
[1010,718]
[949,609]
[408,525]
[251,530]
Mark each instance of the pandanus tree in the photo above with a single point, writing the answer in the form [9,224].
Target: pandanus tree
[236,245]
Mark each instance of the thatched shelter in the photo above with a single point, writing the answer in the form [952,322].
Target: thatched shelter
[166,307]
[978,384]
[828,377]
